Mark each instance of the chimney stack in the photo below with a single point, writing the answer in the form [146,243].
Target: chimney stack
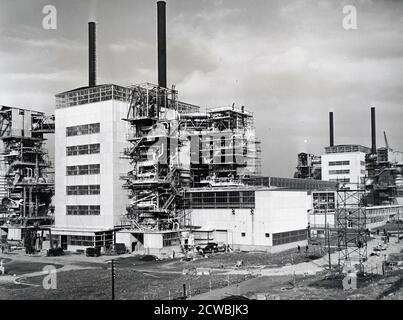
[373,131]
[92,82]
[331,129]
[161,42]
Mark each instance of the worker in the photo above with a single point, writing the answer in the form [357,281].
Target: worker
[299,249]
[306,248]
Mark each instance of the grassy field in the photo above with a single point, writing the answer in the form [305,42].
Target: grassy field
[129,284]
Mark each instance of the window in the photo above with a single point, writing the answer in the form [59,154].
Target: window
[267,235]
[339,163]
[83,170]
[288,237]
[83,129]
[171,239]
[86,241]
[221,199]
[83,149]
[346,180]
[83,210]
[243,234]
[339,171]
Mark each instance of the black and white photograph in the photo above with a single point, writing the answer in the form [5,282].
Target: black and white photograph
[205,150]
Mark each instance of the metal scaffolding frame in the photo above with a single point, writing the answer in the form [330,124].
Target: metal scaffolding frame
[26,179]
[351,226]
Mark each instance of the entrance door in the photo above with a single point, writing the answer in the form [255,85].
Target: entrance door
[63,240]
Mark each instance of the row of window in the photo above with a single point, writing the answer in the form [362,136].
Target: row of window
[83,210]
[86,241]
[339,171]
[83,190]
[339,163]
[83,129]
[83,170]
[288,237]
[171,239]
[83,149]
[345,180]
[221,199]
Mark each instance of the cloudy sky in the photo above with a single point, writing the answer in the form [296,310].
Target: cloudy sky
[289,62]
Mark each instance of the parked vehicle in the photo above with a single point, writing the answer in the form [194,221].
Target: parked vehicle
[211,247]
[93,252]
[221,247]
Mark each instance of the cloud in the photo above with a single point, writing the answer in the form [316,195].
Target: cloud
[288,62]
[128,45]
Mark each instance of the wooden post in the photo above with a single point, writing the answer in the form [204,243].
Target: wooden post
[113,280]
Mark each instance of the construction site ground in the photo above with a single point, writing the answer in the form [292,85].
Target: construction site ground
[286,275]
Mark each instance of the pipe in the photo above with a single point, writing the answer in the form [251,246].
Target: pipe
[161,42]
[331,129]
[92,54]
[373,130]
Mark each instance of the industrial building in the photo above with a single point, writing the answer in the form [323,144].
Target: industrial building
[136,165]
[90,137]
[129,157]
[251,218]
[26,174]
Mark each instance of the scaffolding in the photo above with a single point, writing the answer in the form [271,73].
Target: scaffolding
[351,226]
[159,173]
[26,178]
[175,147]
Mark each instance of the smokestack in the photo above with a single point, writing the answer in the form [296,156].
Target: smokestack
[92,58]
[331,129]
[161,42]
[373,130]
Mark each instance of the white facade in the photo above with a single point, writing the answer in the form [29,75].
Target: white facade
[275,212]
[112,198]
[346,167]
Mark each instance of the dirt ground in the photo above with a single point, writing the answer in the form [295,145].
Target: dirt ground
[82,278]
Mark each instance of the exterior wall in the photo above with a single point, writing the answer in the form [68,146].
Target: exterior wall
[153,240]
[112,138]
[275,212]
[126,238]
[355,167]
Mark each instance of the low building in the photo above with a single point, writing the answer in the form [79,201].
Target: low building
[251,218]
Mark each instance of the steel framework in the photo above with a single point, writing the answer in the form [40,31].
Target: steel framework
[351,226]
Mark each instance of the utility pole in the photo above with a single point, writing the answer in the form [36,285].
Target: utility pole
[328,247]
[398,225]
[113,279]
[327,235]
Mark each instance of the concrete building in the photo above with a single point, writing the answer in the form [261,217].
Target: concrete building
[251,218]
[345,164]
[90,136]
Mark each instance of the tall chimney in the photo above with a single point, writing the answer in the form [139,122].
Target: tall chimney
[92,58]
[162,45]
[373,130]
[331,129]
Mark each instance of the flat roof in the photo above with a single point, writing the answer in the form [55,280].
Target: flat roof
[347,148]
